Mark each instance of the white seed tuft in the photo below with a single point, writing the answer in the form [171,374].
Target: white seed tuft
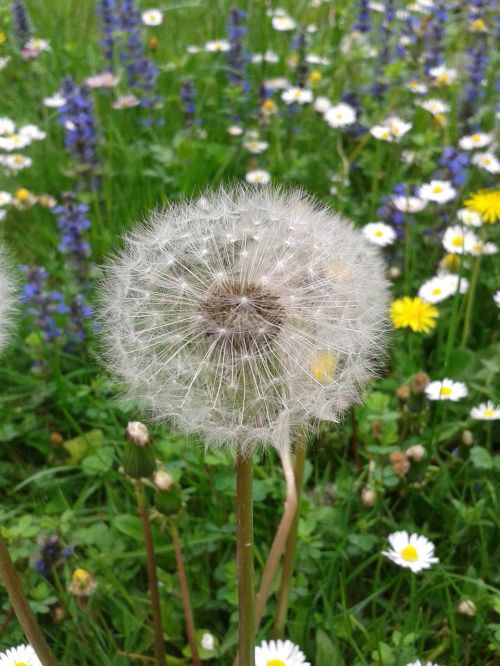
[238,336]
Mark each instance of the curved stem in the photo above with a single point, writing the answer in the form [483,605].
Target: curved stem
[245,560]
[22,608]
[152,577]
[291,544]
[470,300]
[186,601]
[280,539]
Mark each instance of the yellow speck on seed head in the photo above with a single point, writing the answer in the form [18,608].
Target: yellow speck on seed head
[409,553]
[323,367]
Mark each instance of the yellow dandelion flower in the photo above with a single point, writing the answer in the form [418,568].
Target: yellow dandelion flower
[486,203]
[315,76]
[23,195]
[2,37]
[413,313]
[269,107]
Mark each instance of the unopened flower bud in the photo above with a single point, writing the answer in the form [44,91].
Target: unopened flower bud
[208,641]
[467,438]
[394,272]
[403,392]
[419,382]
[467,607]
[416,452]
[169,502]
[368,497]
[163,481]
[56,438]
[400,463]
[139,459]
[137,433]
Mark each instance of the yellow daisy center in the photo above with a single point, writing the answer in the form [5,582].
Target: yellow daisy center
[436,291]
[275,662]
[409,553]
[443,78]
[476,138]
[379,233]
[20,663]
[437,189]
[323,367]
[458,241]
[488,412]
[445,391]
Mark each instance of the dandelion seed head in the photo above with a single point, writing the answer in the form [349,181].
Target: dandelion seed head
[232,334]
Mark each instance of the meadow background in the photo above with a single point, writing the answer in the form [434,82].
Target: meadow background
[64,504]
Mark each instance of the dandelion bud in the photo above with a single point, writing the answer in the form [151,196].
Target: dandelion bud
[467,607]
[419,382]
[137,433]
[415,452]
[467,438]
[139,460]
[83,583]
[7,299]
[403,392]
[168,501]
[163,481]
[399,463]
[368,497]
[256,312]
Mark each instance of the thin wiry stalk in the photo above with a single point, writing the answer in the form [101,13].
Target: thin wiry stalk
[245,561]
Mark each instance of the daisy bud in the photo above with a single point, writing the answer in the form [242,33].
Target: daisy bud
[139,460]
[394,272]
[467,438]
[259,312]
[403,392]
[368,497]
[416,452]
[419,382]
[467,607]
[400,463]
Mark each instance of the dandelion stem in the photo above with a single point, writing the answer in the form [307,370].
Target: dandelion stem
[244,546]
[186,601]
[291,545]
[152,577]
[22,608]
[470,300]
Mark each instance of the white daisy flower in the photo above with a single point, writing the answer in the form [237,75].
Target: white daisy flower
[456,239]
[413,551]
[278,83]
[421,663]
[152,17]
[408,204]
[391,129]
[54,101]
[283,23]
[192,49]
[486,161]
[446,389]
[217,46]
[125,102]
[443,75]
[478,140]
[279,653]
[439,191]
[475,246]
[441,287]
[5,198]
[315,59]
[7,126]
[22,655]
[381,132]
[32,132]
[235,130]
[417,87]
[258,177]
[102,80]
[269,56]
[496,298]
[37,44]
[255,146]
[435,106]
[14,142]
[297,95]
[4,62]
[322,104]
[469,217]
[486,411]
[340,115]
[17,162]
[208,641]
[379,233]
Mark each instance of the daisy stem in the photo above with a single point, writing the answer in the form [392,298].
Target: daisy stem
[245,560]
[290,548]
[470,300]
[22,608]
[186,601]
[152,576]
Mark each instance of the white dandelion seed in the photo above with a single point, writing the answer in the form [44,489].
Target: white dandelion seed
[257,311]
[7,299]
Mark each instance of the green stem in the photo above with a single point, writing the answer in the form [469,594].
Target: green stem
[245,559]
[186,600]
[152,577]
[470,300]
[290,549]
[22,608]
